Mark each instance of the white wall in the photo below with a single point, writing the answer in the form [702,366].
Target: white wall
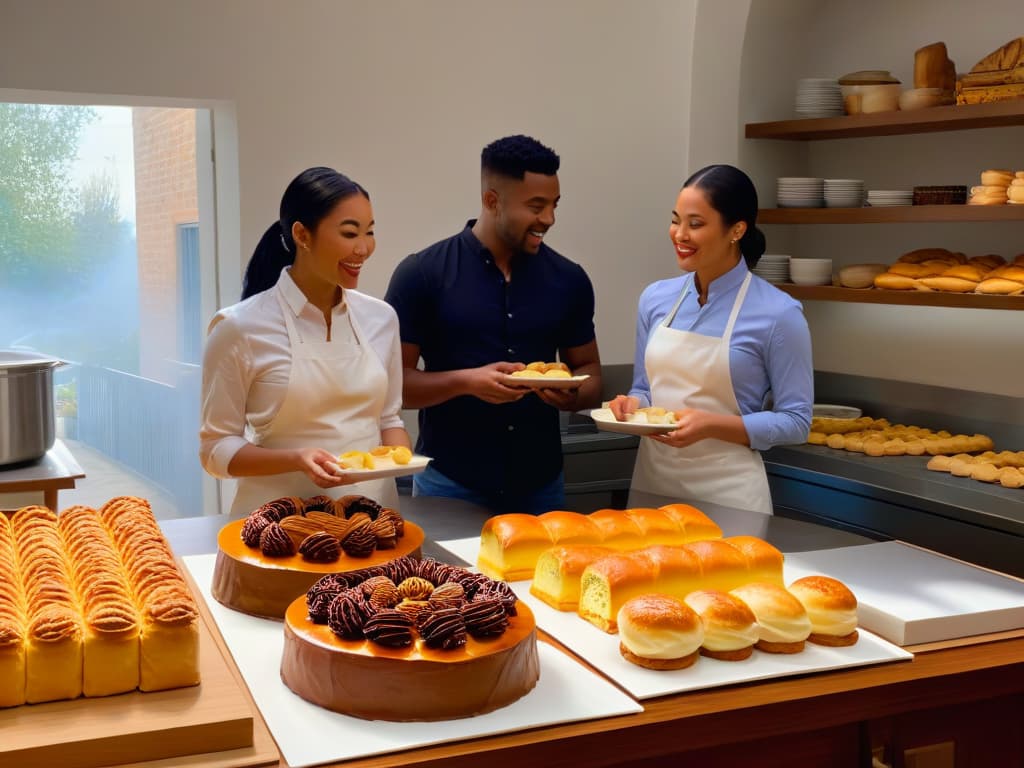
[402,95]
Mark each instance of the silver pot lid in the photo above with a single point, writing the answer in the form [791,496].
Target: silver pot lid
[24,359]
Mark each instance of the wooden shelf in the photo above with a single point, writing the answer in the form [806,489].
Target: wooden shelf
[906,298]
[891,214]
[955,117]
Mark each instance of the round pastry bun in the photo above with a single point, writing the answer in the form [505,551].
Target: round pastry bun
[659,632]
[782,618]
[996,177]
[825,594]
[723,613]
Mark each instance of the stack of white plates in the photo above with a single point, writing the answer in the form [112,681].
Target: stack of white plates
[818,97]
[800,192]
[885,197]
[844,193]
[810,271]
[773,267]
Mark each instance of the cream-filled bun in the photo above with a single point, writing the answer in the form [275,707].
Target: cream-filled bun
[831,607]
[659,632]
[782,621]
[730,627]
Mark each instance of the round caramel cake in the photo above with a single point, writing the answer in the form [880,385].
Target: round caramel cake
[273,556]
[410,640]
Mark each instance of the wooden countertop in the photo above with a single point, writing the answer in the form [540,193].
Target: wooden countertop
[670,725]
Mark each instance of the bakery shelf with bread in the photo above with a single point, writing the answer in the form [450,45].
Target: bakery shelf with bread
[1005,468]
[877,437]
[92,603]
[511,544]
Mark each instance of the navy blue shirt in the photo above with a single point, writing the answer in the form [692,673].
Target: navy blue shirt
[455,304]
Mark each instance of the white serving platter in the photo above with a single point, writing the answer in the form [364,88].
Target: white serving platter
[601,650]
[911,596]
[545,382]
[636,424]
[308,735]
[826,410]
[384,466]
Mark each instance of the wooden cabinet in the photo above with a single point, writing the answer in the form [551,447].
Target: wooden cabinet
[930,120]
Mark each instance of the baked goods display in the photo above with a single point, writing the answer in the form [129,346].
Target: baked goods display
[547,370]
[659,632]
[410,640]
[998,187]
[267,559]
[937,269]
[371,459]
[724,564]
[831,608]
[1005,468]
[92,603]
[511,544]
[730,627]
[655,414]
[877,437]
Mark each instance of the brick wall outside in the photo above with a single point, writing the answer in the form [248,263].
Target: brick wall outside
[165,196]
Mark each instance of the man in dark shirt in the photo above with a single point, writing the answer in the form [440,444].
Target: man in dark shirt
[477,307]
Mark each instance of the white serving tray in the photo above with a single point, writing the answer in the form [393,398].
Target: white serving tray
[601,650]
[910,596]
[307,734]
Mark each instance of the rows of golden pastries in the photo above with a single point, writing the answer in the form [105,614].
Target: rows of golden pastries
[877,437]
[1005,467]
[91,602]
[939,269]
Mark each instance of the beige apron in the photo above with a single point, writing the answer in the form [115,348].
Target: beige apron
[334,400]
[690,370]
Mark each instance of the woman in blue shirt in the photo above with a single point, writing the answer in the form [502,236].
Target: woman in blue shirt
[724,349]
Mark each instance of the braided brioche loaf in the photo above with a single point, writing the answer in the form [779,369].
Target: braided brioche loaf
[511,544]
[91,602]
[722,564]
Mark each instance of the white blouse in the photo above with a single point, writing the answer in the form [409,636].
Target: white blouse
[247,361]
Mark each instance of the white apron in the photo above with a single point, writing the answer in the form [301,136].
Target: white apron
[334,400]
[690,370]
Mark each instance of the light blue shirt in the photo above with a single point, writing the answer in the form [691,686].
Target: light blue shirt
[769,353]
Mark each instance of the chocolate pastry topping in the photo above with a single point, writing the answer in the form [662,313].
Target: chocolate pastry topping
[415,588]
[403,568]
[373,582]
[448,595]
[320,595]
[274,542]
[444,629]
[299,527]
[390,628]
[499,590]
[399,522]
[415,609]
[354,504]
[278,509]
[320,547]
[384,596]
[471,582]
[317,504]
[253,527]
[485,618]
[347,614]
[359,542]
[428,569]
[384,531]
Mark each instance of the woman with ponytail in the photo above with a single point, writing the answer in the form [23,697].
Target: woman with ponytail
[304,367]
[724,349]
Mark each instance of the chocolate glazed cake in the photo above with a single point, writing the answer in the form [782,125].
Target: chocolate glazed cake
[410,640]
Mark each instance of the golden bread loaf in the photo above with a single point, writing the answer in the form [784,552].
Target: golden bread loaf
[893,282]
[924,254]
[831,608]
[659,632]
[12,621]
[607,583]
[730,627]
[782,621]
[1000,286]
[511,544]
[949,284]
[556,579]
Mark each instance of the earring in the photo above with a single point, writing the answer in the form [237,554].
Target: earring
[733,240]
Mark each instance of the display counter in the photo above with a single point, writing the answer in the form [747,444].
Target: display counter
[961,698]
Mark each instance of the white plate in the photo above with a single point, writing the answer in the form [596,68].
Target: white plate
[310,735]
[604,419]
[601,650]
[825,410]
[384,467]
[545,382]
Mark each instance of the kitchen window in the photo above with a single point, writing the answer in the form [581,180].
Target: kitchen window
[101,266]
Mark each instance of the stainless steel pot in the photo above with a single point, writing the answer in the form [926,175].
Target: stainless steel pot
[26,405]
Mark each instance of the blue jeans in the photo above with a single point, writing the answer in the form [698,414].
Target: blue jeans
[430,482]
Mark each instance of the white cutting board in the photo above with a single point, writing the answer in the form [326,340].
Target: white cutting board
[307,734]
[911,596]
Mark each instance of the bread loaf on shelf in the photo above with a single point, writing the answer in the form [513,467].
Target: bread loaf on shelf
[722,564]
[12,621]
[511,544]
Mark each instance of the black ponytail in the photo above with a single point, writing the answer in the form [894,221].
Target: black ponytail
[308,199]
[731,192]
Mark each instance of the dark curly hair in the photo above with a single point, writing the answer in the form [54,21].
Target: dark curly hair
[308,199]
[731,192]
[514,156]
